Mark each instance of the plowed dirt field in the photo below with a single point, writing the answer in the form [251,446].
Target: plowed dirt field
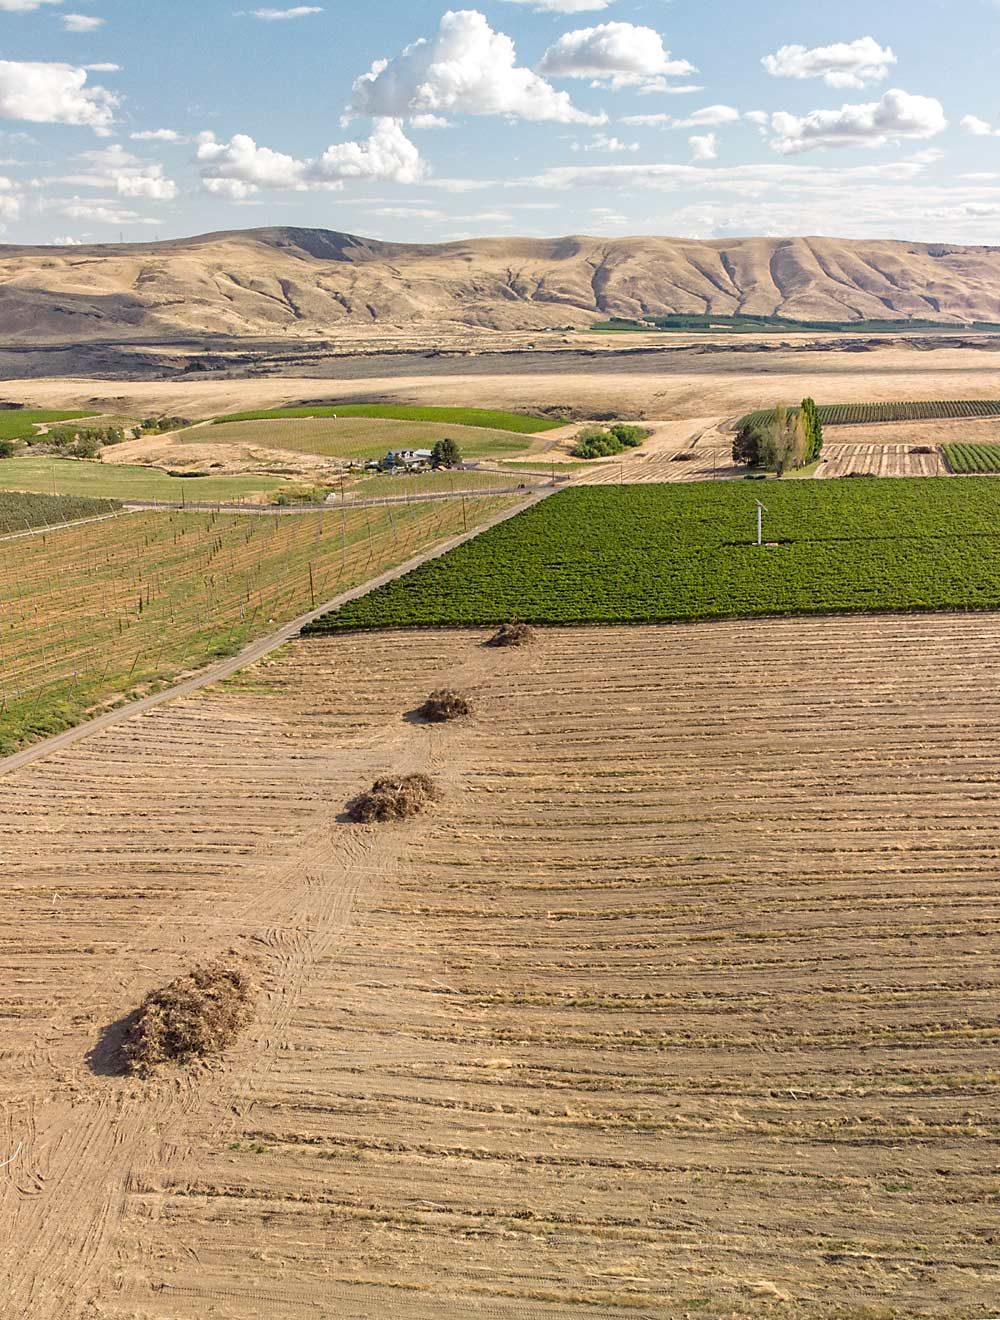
[682,1004]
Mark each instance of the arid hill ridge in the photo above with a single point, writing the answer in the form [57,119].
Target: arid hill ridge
[267,282]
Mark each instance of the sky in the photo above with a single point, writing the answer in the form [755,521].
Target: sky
[405,120]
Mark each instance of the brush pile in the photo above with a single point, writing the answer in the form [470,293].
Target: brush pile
[445,704]
[513,634]
[394,798]
[192,1018]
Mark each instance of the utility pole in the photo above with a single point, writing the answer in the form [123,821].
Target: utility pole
[761,510]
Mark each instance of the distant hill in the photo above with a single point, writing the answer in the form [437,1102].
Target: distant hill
[266,282]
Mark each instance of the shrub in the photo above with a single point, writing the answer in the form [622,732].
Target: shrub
[444,704]
[394,798]
[629,435]
[513,634]
[7,448]
[196,1016]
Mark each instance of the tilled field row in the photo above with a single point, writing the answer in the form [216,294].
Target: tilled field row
[682,1003]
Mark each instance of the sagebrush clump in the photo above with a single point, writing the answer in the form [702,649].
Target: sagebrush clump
[513,634]
[194,1017]
[445,704]
[394,797]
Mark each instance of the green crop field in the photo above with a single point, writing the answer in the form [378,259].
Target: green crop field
[362,438]
[21,513]
[684,552]
[491,419]
[62,476]
[21,423]
[95,611]
[964,458]
[866,414]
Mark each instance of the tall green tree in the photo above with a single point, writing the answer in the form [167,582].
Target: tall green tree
[446,453]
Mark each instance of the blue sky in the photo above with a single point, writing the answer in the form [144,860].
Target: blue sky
[402,119]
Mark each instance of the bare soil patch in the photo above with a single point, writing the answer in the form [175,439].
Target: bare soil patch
[681,1002]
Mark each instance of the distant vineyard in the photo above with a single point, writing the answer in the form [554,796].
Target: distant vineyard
[866,414]
[972,458]
[23,513]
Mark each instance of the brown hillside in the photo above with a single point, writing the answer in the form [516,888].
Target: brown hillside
[271,281]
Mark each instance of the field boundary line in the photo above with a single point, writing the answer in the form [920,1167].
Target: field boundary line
[257,650]
[58,527]
[285,510]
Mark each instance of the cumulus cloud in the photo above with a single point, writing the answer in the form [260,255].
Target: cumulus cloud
[616,55]
[897,115]
[979,127]
[81,22]
[239,167]
[465,68]
[704,147]
[54,94]
[844,64]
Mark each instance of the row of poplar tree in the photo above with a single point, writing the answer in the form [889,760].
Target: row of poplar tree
[786,438]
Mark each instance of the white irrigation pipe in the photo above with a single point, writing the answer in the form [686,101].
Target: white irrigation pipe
[7,1163]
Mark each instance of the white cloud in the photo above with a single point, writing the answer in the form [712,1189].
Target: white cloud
[281,15]
[704,147]
[24,6]
[615,54]
[81,22]
[604,143]
[979,127]
[844,64]
[54,94]
[234,190]
[465,68]
[897,115]
[102,211]
[429,121]
[564,6]
[710,117]
[116,169]
[387,154]
[103,68]
[66,240]
[157,135]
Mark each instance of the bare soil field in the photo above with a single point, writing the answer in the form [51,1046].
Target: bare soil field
[686,381]
[682,1003]
[880,460]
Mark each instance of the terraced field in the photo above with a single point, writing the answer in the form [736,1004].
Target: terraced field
[683,1004]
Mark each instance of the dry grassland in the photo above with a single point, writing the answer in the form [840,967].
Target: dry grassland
[682,1003]
[681,381]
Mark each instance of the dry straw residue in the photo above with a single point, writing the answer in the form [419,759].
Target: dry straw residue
[513,634]
[192,1018]
[445,704]
[394,798]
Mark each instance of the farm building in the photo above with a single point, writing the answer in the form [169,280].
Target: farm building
[409,459]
